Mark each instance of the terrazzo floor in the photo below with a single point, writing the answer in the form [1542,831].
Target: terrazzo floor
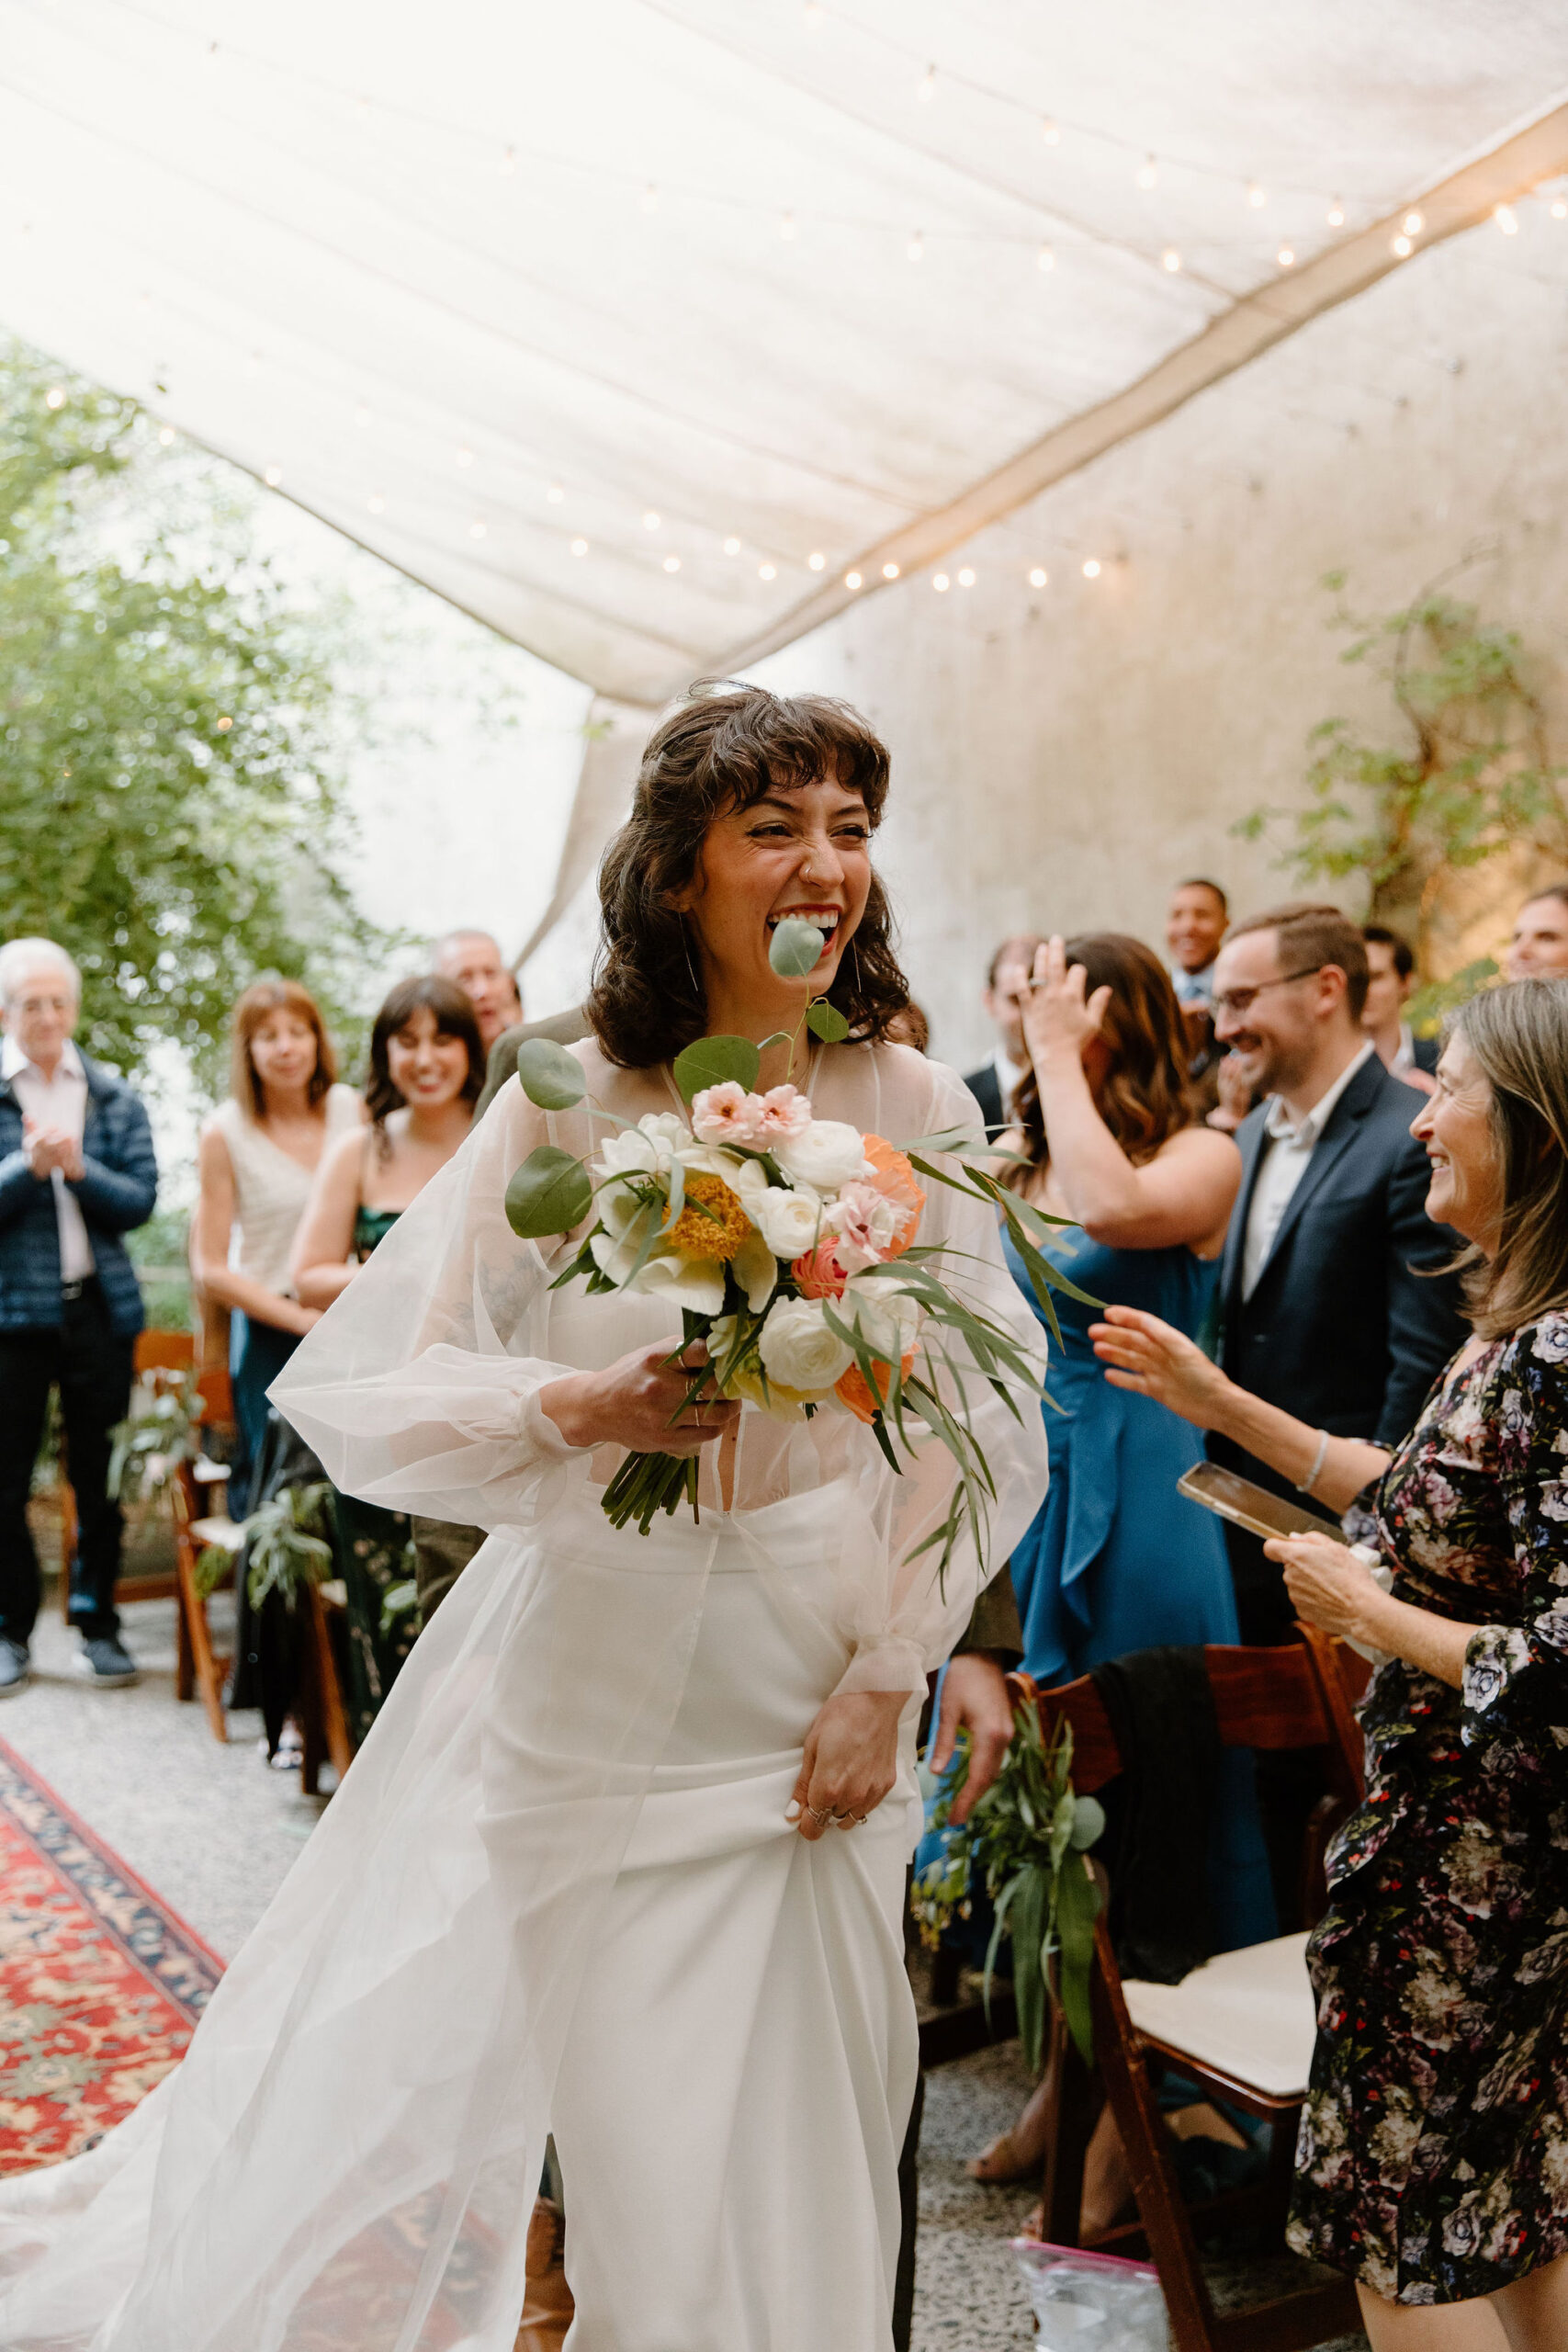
[215,1832]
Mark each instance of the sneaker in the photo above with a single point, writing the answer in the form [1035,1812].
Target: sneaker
[15,1665]
[105,1664]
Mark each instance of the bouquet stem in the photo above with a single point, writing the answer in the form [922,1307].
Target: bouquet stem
[646,1484]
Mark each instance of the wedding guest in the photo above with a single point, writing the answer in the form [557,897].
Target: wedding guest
[1539,949]
[1115,1560]
[473,960]
[1007,984]
[1194,925]
[76,1173]
[426,1070]
[258,1154]
[1432,2163]
[1391,982]
[1235,1097]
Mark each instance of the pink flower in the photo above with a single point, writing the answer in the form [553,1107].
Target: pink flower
[726,1114]
[868,1226]
[819,1273]
[781,1110]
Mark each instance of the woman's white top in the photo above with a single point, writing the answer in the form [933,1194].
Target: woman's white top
[270,1188]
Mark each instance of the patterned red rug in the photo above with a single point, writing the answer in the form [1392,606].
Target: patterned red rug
[100,1984]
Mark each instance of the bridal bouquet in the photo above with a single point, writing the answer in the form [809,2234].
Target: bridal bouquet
[790,1245]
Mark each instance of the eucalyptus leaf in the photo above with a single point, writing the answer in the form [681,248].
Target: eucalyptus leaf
[548,1075]
[716,1061]
[1089,1822]
[825,1021]
[550,1194]
[796,949]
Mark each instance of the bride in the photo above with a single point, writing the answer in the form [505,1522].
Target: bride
[624,1855]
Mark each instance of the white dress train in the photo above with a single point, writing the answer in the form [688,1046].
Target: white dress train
[557,1889]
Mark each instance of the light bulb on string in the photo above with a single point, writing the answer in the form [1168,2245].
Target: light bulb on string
[55,397]
[377,503]
[1045,259]
[1257,197]
[1170,259]
[732,547]
[477,530]
[767,571]
[940,582]
[787,227]
[1039,577]
[1401,246]
[1147,173]
[362,415]
[1507,219]
[650,521]
[1413,224]
[273,476]
[580,546]
[362,107]
[852,580]
[1559,210]
[966,578]
[814,12]
[925,88]
[1050,132]
[649,198]
[916,248]
[672,563]
[508,164]
[1091,569]
[818,563]
[252,363]
[165,436]
[1335,216]
[465,455]
[1286,257]
[554,494]
[890,572]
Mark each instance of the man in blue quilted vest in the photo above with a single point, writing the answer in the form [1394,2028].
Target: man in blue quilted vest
[76,1173]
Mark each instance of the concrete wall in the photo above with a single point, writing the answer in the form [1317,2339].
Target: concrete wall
[1061,755]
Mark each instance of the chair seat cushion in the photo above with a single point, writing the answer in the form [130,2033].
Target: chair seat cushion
[226,1534]
[1249,2013]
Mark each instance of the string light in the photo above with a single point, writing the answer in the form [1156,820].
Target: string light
[672,563]
[1560,210]
[916,248]
[362,107]
[650,521]
[1286,257]
[273,476]
[1507,219]
[1170,259]
[55,397]
[1045,258]
[925,89]
[816,562]
[1147,173]
[1038,576]
[1413,224]
[814,12]
[508,164]
[1050,132]
[786,228]
[254,363]
[580,546]
[649,198]
[362,414]
[851,579]
[165,436]
[732,547]
[940,582]
[890,572]
[1091,569]
[1335,216]
[554,494]
[377,503]
[966,578]
[1402,246]
[1257,197]
[477,530]
[465,455]
[224,724]
[767,571]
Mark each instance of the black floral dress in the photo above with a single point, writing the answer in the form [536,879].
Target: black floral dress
[1433,2157]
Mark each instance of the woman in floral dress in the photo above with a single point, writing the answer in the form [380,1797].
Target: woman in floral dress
[1433,2159]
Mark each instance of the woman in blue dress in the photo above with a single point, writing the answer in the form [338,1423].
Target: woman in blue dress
[1109,1137]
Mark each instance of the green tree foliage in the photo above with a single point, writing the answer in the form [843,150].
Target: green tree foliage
[168,805]
[1472,777]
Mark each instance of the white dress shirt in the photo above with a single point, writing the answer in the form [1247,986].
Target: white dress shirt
[1194,987]
[58,1102]
[1286,1152]
[1405,1057]
[1010,1074]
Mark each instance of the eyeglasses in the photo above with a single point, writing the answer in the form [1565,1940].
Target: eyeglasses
[1240,1001]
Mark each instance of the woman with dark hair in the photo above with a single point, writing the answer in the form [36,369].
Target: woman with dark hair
[1108,1137]
[259,1152]
[623,1857]
[427,1068]
[1433,2158]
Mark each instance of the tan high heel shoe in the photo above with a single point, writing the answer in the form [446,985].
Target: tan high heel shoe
[547,2305]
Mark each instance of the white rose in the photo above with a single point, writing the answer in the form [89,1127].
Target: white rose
[887,1318]
[797,1349]
[790,1223]
[828,1153]
[643,1151]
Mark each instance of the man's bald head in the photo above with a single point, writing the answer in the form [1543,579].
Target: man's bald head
[474,960]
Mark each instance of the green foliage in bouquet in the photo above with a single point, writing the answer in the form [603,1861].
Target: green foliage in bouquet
[1026,1841]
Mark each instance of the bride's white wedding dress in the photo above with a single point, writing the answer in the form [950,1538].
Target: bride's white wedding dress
[558,1890]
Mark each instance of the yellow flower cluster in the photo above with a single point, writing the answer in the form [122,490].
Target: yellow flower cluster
[716,1228]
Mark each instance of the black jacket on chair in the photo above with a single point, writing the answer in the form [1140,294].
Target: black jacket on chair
[987,1088]
[1340,1329]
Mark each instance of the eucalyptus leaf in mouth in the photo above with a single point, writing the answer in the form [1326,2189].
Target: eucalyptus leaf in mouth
[796,949]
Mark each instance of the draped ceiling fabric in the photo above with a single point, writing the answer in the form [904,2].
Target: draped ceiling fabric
[643,329]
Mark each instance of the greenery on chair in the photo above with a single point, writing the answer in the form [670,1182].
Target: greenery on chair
[290,1545]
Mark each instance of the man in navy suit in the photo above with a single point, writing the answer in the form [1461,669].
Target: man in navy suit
[1326,1309]
[1390,964]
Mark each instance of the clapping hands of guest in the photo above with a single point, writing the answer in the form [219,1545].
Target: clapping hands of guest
[1059,1018]
[48,1148]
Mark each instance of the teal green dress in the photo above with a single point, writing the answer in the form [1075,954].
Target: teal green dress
[1115,1559]
[374,1550]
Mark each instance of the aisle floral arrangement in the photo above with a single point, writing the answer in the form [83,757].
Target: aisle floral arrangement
[790,1245]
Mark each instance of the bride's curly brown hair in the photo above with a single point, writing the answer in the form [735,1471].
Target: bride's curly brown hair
[1148,1096]
[723,748]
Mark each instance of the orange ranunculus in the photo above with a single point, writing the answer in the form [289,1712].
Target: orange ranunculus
[851,1389]
[892,1176]
[819,1273]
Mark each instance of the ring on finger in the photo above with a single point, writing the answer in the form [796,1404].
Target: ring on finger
[822,1818]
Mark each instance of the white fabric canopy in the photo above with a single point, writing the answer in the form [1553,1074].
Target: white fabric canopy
[730,297]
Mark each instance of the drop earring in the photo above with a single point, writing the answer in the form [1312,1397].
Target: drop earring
[686,943]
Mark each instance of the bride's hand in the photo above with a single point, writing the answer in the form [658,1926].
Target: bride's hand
[851,1760]
[634,1403]
[1153,1359]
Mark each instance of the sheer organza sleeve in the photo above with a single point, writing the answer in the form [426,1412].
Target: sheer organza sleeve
[418,1387]
[902,1616]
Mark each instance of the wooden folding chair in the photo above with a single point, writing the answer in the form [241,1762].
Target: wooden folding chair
[323,1718]
[154,1352]
[1241,2027]
[200,1528]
